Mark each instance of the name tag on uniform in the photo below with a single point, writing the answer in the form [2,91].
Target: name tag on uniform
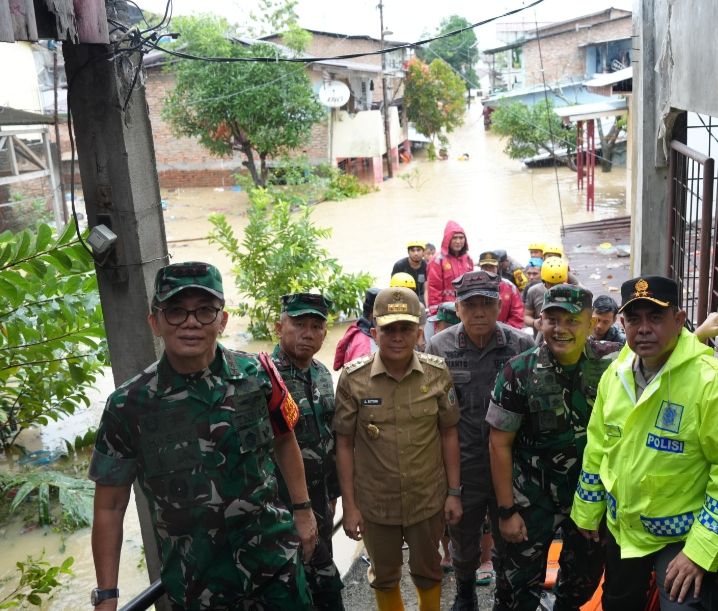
[371,402]
[664,444]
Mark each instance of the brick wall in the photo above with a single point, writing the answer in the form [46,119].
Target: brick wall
[563,55]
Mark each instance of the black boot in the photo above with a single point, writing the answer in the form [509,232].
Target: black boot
[466,598]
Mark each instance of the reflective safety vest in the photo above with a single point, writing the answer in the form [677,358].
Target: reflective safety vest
[652,463]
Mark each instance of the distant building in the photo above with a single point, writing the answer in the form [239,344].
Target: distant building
[565,54]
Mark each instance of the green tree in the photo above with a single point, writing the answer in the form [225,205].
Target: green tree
[281,253]
[460,51]
[262,108]
[529,129]
[51,329]
[434,97]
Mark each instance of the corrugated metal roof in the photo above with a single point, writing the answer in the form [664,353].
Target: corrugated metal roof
[609,79]
[13,116]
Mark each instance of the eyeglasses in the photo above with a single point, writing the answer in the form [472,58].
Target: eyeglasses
[175,316]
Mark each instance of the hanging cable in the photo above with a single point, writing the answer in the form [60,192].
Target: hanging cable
[550,128]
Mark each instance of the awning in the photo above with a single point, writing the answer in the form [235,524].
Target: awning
[13,116]
[602,80]
[593,111]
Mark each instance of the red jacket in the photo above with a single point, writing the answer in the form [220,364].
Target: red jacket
[354,344]
[445,267]
[512,307]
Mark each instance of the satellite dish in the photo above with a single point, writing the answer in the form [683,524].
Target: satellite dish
[334,94]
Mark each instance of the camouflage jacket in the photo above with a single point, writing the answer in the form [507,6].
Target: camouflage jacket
[548,406]
[199,446]
[313,391]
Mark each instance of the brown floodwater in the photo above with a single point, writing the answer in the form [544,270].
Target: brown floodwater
[500,204]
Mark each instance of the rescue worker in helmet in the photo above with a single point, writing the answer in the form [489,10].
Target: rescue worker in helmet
[407,281]
[414,265]
[553,271]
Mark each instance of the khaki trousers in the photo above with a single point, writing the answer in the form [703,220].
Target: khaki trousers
[383,544]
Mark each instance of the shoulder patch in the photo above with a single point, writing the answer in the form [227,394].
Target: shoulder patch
[432,359]
[356,364]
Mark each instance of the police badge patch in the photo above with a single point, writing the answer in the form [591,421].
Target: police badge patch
[669,417]
[452,397]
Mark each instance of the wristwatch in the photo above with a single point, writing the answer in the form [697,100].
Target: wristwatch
[97,596]
[454,491]
[506,512]
[304,505]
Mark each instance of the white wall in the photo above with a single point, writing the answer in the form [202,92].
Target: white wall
[18,83]
[362,134]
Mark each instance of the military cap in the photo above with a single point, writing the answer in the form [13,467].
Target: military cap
[488,258]
[299,304]
[395,304]
[657,289]
[569,297]
[445,313]
[481,283]
[177,277]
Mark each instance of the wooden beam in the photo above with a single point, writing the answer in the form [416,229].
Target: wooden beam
[6,31]
[22,13]
[27,153]
[9,180]
[55,19]
[91,20]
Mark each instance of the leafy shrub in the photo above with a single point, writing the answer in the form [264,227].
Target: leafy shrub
[281,253]
[51,331]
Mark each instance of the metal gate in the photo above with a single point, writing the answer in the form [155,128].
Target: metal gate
[693,260]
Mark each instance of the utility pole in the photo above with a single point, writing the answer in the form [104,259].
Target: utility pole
[119,183]
[385,95]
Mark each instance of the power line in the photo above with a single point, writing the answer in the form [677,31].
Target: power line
[309,60]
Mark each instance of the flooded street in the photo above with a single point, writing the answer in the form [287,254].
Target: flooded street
[499,203]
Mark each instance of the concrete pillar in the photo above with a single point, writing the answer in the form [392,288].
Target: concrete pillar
[378,167]
[649,255]
[407,150]
[394,157]
[120,187]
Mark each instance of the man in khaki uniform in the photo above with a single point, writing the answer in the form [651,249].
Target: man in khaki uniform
[398,453]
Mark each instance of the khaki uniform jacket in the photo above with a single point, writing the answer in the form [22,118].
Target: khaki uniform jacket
[399,475]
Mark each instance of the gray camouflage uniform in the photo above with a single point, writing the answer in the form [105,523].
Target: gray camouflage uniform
[474,371]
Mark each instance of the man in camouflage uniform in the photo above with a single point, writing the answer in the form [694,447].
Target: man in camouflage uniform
[538,414]
[475,350]
[301,331]
[197,429]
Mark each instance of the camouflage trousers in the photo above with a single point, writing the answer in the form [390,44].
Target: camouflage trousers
[521,567]
[286,590]
[323,577]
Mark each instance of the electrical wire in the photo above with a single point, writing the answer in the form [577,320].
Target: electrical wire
[309,60]
[550,128]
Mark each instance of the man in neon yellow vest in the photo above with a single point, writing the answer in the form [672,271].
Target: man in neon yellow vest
[651,460]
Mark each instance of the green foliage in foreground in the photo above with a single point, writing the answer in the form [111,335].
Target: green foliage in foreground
[37,579]
[74,496]
[51,331]
[281,253]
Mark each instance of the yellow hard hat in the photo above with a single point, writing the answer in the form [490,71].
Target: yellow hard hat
[416,244]
[554,270]
[403,279]
[536,246]
[553,248]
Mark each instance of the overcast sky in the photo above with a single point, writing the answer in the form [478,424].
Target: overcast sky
[407,19]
